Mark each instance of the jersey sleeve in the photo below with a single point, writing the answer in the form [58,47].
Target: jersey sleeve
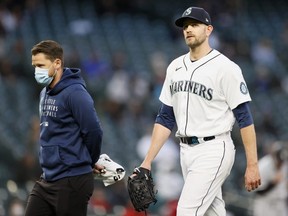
[234,86]
[166,117]
[243,115]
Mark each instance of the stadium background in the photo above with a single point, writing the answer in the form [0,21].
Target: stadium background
[123,48]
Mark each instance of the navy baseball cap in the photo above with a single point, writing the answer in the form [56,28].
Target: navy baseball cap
[195,13]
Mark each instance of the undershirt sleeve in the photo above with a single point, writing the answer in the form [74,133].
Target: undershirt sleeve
[243,115]
[166,117]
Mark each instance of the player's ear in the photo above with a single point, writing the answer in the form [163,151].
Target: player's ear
[209,30]
[57,63]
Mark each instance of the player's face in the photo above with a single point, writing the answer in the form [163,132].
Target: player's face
[40,60]
[195,33]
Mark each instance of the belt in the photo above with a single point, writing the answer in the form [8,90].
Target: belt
[195,140]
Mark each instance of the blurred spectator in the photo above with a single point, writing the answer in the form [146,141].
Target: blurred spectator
[265,80]
[271,196]
[118,86]
[8,18]
[263,53]
[139,87]
[137,103]
[96,72]
[118,93]
[81,27]
[7,71]
[94,67]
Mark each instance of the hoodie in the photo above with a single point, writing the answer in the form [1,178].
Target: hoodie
[70,132]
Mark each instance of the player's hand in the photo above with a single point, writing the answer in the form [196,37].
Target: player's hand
[146,165]
[252,177]
[143,165]
[98,169]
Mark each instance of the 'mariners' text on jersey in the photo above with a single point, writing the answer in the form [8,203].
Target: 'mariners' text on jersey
[191,87]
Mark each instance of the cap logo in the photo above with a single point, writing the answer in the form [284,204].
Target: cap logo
[207,20]
[187,12]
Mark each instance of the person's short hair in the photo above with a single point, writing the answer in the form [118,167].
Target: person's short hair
[51,49]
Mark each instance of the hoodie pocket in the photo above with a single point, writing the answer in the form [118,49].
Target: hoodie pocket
[49,156]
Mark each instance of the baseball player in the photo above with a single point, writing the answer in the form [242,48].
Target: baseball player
[204,93]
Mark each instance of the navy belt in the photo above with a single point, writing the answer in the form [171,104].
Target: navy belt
[195,140]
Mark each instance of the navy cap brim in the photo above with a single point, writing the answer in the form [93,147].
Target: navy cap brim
[179,22]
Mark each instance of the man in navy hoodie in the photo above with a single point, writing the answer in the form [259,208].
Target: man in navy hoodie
[70,137]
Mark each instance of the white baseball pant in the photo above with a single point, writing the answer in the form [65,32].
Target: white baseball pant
[205,167]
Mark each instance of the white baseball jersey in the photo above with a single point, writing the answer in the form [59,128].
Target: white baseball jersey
[203,94]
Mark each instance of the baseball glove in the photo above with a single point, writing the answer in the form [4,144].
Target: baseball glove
[141,189]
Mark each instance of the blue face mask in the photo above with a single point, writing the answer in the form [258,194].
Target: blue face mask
[42,77]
